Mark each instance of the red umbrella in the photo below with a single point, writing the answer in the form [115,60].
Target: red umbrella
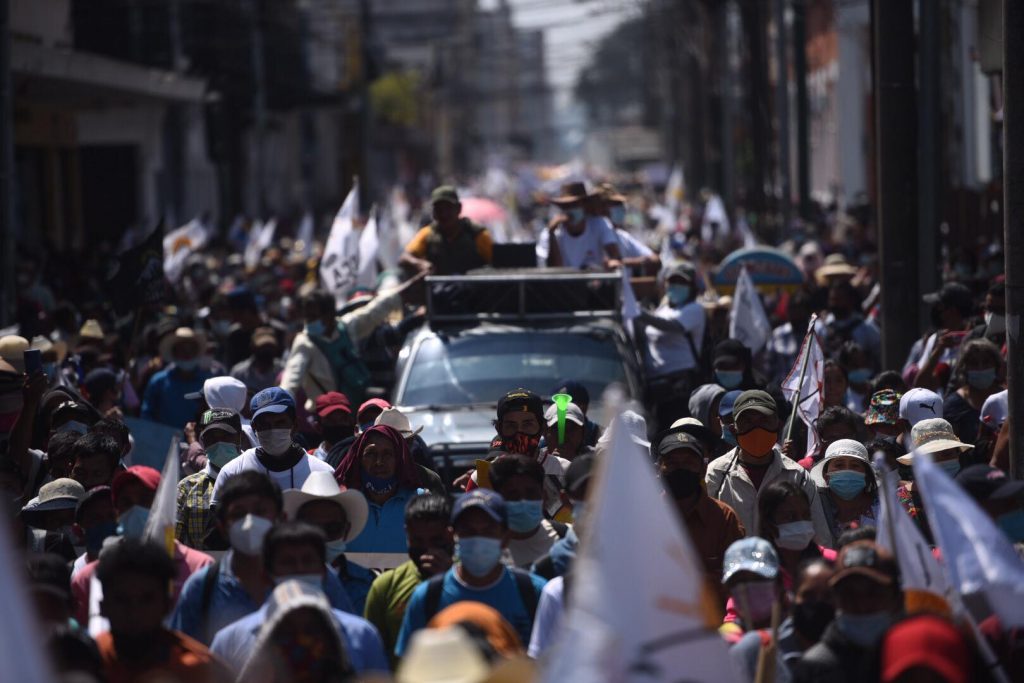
[482,210]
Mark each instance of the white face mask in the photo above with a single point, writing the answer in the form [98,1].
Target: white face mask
[246,535]
[795,535]
[275,441]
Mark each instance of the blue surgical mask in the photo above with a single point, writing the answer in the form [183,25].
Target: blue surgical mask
[220,454]
[730,379]
[847,484]
[1012,524]
[617,214]
[575,214]
[729,437]
[95,535]
[316,328]
[479,555]
[864,629]
[524,515]
[187,365]
[335,549]
[860,375]
[678,294]
[981,379]
[132,522]
[951,467]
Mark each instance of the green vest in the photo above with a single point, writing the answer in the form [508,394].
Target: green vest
[455,257]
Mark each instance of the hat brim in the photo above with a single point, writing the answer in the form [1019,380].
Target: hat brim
[570,199]
[479,505]
[754,567]
[333,409]
[168,342]
[818,470]
[193,395]
[764,410]
[934,447]
[568,418]
[275,409]
[352,502]
[867,572]
[220,427]
[62,503]
[445,200]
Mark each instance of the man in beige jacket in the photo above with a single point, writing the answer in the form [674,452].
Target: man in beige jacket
[737,477]
[324,356]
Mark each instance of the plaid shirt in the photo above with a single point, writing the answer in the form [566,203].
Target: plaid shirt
[194,494]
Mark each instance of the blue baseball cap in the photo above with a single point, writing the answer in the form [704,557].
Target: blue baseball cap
[728,401]
[750,554]
[487,500]
[272,400]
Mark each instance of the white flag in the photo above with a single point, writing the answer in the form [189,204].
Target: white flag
[748,323]
[749,238]
[715,221]
[261,236]
[675,192]
[340,263]
[640,611]
[924,583]
[805,396]
[630,307]
[369,245]
[179,244]
[164,512]
[305,234]
[980,561]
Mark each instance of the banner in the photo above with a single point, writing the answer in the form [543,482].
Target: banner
[339,266]
[181,243]
[805,392]
[748,323]
[164,511]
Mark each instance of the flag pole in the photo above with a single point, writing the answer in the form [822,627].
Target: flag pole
[803,373]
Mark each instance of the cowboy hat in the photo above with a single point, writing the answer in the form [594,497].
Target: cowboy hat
[397,420]
[574,192]
[322,486]
[181,335]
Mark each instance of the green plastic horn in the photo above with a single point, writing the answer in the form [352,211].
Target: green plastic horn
[561,402]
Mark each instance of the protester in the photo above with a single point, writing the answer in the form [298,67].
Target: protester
[704,404]
[785,515]
[833,424]
[397,420]
[952,306]
[559,559]
[848,489]
[368,412]
[96,458]
[263,368]
[451,244]
[998,495]
[520,482]
[336,426]
[49,583]
[431,550]
[480,524]
[574,424]
[380,466]
[845,323]
[580,395]
[883,415]
[164,399]
[95,522]
[575,240]
[51,516]
[220,435]
[979,374]
[751,576]
[925,647]
[225,393]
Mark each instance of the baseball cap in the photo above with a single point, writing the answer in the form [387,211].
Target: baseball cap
[579,472]
[985,483]
[884,408]
[865,558]
[147,476]
[445,193]
[680,269]
[572,413]
[925,641]
[751,554]
[954,294]
[220,419]
[728,403]
[271,400]
[995,409]
[920,404]
[675,439]
[332,401]
[371,403]
[756,400]
[223,392]
[521,400]
[576,390]
[487,500]
[695,428]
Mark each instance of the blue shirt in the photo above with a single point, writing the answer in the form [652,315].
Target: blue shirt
[164,399]
[357,580]
[229,601]
[234,643]
[503,596]
[385,527]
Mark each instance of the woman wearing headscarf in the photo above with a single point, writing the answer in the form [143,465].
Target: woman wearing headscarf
[380,465]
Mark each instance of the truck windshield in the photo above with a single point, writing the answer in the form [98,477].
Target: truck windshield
[481,369]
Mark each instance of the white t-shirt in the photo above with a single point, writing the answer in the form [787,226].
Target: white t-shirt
[549,616]
[292,478]
[587,250]
[526,551]
[670,352]
[631,247]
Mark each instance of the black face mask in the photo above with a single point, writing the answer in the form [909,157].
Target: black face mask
[681,483]
[811,618]
[337,433]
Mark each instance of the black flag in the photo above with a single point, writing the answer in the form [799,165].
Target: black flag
[136,276]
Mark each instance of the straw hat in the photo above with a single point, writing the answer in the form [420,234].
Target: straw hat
[181,335]
[835,266]
[445,655]
[933,436]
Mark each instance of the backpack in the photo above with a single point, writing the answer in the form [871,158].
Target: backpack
[524,584]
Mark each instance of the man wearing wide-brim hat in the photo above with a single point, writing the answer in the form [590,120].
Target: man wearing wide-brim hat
[451,244]
[635,254]
[164,399]
[575,239]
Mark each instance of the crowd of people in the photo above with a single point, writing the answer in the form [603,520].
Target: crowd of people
[292,465]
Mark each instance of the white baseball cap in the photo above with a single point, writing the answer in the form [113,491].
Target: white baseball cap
[995,410]
[920,404]
[223,392]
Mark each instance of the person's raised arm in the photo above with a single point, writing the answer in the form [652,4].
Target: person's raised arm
[554,253]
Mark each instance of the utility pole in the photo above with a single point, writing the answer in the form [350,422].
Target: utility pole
[8,300]
[1013,222]
[803,157]
[896,153]
[259,104]
[782,114]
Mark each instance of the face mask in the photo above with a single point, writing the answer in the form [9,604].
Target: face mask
[94,536]
[681,483]
[730,379]
[575,214]
[860,375]
[522,444]
[246,535]
[335,549]
[757,442]
[315,328]
[524,515]
[795,535]
[132,523]
[378,485]
[275,441]
[755,599]
[617,214]
[981,379]
[312,580]
[812,617]
[221,328]
[995,323]
[336,433]
[479,555]
[220,454]
[72,426]
[864,629]
[1012,524]
[678,294]
[187,365]
[728,436]
[951,467]
[847,484]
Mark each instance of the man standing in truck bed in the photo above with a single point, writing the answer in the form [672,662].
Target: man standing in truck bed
[450,245]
